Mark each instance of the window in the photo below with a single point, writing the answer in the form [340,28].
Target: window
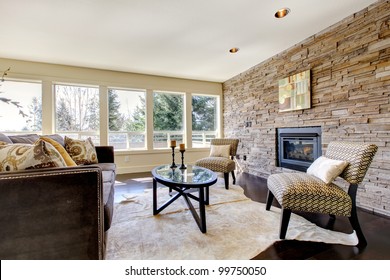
[127,112]
[168,118]
[204,120]
[77,112]
[20,106]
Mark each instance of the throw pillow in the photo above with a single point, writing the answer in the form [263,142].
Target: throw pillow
[326,169]
[220,151]
[67,158]
[81,151]
[5,138]
[24,138]
[26,156]
[56,137]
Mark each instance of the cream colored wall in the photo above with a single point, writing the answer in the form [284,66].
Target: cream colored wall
[138,161]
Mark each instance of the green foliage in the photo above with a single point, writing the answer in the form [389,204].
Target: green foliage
[137,119]
[115,118]
[204,113]
[168,112]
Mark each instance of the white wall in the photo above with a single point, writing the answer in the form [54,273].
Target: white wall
[138,161]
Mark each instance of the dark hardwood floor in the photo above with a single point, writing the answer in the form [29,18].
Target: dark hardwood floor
[376,228]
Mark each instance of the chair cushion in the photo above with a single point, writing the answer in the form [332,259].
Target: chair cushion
[220,151]
[326,169]
[227,141]
[304,192]
[217,164]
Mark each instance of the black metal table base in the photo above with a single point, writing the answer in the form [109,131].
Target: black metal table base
[203,200]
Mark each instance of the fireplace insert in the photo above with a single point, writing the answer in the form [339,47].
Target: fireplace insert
[298,147]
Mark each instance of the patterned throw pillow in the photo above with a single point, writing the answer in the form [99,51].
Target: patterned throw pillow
[326,169]
[81,151]
[67,158]
[26,156]
[220,151]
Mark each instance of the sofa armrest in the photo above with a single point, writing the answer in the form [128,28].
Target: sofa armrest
[52,213]
[105,154]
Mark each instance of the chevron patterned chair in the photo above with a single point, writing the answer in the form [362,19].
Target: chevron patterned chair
[221,163]
[308,193]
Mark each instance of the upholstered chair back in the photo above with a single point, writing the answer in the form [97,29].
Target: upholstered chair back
[358,155]
[232,142]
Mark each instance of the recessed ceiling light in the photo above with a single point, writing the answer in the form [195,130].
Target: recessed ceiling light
[234,50]
[281,13]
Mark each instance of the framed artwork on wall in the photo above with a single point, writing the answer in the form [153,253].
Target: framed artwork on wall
[294,92]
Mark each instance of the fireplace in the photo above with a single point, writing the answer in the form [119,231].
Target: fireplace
[298,147]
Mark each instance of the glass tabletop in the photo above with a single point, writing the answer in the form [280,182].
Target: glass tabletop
[193,175]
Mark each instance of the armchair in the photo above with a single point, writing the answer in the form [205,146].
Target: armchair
[305,192]
[224,164]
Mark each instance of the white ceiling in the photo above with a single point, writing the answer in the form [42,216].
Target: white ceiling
[176,38]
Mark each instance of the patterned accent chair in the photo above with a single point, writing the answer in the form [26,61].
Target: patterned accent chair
[222,164]
[304,192]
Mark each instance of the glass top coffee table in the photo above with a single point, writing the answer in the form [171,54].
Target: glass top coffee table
[184,181]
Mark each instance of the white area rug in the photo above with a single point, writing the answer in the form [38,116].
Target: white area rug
[237,228]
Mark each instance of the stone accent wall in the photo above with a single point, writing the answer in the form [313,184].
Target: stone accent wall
[350,86]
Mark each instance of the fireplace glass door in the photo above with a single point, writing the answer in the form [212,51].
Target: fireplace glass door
[298,149]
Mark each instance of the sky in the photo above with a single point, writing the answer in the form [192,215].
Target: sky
[22,92]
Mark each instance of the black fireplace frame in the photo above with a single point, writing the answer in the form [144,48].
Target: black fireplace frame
[298,133]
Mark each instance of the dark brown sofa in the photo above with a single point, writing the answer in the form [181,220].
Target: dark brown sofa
[57,213]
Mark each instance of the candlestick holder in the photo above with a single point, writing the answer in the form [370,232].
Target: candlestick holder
[173,165]
[182,166]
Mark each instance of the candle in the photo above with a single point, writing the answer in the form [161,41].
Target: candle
[173,143]
[182,147]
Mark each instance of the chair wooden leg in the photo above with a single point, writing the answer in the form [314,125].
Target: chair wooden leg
[356,226]
[270,198]
[234,178]
[354,217]
[331,221]
[226,176]
[285,219]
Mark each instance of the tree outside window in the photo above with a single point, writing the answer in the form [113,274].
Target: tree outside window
[204,120]
[127,112]
[168,118]
[77,111]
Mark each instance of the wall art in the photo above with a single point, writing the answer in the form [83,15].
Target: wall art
[294,92]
